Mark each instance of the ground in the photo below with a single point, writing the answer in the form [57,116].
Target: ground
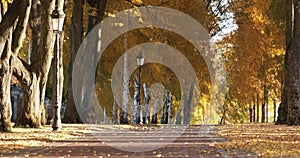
[248,140]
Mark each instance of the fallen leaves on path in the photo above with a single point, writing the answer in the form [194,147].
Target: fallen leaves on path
[265,140]
[21,138]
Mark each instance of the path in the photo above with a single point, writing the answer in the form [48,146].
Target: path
[195,141]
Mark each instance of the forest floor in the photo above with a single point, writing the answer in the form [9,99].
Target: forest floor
[245,140]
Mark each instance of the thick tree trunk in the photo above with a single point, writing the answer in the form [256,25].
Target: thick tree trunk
[33,78]
[7,49]
[35,23]
[293,69]
[5,103]
[283,106]
[76,35]
[30,114]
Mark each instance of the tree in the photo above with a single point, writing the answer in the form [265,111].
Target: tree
[76,35]
[96,14]
[256,56]
[11,39]
[293,64]
[33,78]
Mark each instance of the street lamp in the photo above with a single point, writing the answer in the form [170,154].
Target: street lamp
[58,17]
[140,61]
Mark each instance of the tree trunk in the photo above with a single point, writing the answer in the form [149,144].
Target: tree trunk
[154,112]
[267,105]
[146,112]
[76,35]
[250,113]
[114,114]
[264,107]
[5,103]
[187,106]
[179,117]
[33,78]
[253,103]
[100,6]
[30,114]
[169,108]
[35,23]
[17,9]
[274,110]
[136,103]
[293,75]
[283,106]
[162,117]
[124,119]
[185,110]
[257,103]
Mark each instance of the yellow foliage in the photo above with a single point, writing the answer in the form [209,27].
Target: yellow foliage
[137,2]
[111,14]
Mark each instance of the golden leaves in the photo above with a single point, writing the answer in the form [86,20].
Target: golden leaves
[28,137]
[137,2]
[264,139]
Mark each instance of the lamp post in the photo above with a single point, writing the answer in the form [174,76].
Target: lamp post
[58,17]
[140,61]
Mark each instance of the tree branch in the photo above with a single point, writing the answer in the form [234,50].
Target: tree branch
[10,17]
[20,31]
[21,71]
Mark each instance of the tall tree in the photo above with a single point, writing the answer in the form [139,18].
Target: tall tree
[258,52]
[283,107]
[76,35]
[11,39]
[293,65]
[96,14]
[33,78]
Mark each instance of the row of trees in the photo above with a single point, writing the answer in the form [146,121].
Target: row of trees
[20,18]
[262,61]
[259,71]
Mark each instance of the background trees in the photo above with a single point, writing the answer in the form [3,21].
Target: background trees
[251,37]
[255,59]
